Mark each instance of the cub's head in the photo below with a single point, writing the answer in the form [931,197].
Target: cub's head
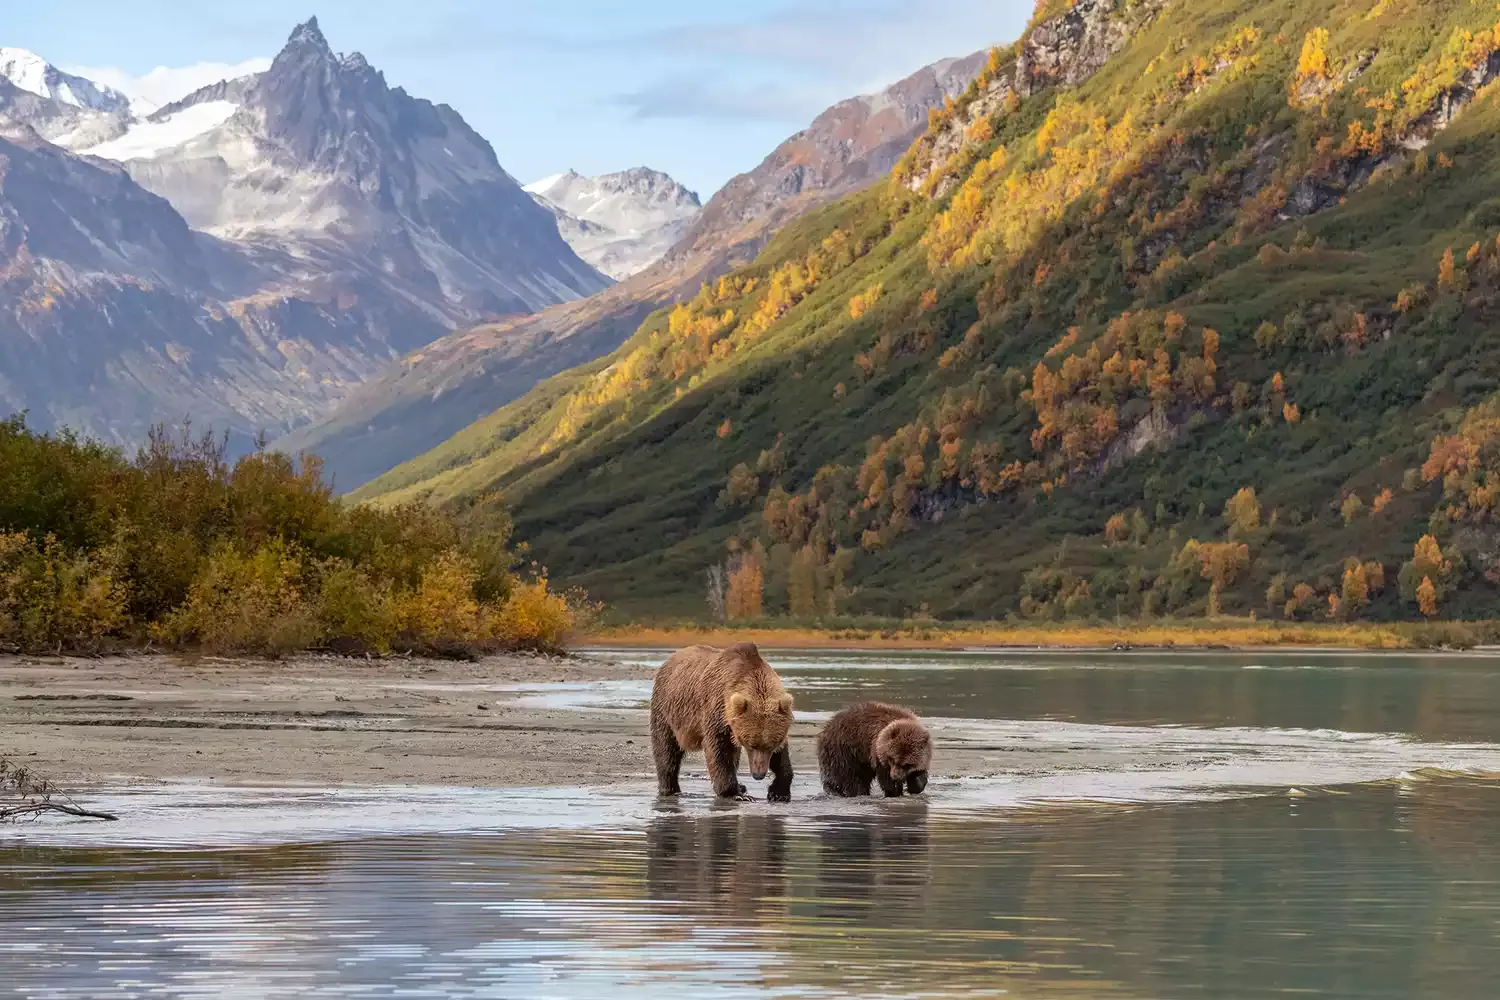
[760,726]
[905,749]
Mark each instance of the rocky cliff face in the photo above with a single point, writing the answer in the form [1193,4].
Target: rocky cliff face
[434,393]
[261,247]
[1062,51]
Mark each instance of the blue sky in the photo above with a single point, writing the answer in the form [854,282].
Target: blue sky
[701,90]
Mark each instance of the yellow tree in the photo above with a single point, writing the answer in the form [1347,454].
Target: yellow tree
[1428,569]
[1446,270]
[1313,62]
[1427,597]
[1356,590]
[746,589]
[1221,563]
[1243,513]
[1116,530]
[1351,508]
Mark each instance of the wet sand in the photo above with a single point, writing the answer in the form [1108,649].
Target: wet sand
[313,720]
[331,721]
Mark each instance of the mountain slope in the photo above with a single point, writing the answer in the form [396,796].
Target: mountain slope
[305,227]
[1183,307]
[438,391]
[621,223]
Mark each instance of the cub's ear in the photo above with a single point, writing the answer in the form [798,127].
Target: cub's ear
[784,704]
[736,706]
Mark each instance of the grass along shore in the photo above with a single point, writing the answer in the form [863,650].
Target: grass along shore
[925,634]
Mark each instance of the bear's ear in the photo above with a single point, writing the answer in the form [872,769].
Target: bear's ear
[784,704]
[736,706]
[746,649]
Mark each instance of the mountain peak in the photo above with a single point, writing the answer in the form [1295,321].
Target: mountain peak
[35,75]
[310,35]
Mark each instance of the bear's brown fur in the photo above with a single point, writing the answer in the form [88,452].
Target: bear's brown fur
[874,742]
[720,700]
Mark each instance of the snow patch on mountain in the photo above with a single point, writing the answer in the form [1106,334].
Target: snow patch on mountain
[149,138]
[621,223]
[36,75]
[542,186]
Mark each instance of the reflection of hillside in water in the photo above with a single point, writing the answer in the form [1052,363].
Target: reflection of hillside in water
[1438,698]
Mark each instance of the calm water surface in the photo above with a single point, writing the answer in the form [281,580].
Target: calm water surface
[1378,877]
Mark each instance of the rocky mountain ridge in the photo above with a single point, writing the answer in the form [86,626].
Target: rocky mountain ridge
[308,225]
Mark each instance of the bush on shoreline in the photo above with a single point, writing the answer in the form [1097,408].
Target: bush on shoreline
[181,547]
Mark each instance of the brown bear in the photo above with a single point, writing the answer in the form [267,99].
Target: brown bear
[874,742]
[719,701]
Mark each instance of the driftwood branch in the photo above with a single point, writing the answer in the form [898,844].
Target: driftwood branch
[41,807]
[23,794]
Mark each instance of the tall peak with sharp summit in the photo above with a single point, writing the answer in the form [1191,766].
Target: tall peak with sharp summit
[308,35]
[323,213]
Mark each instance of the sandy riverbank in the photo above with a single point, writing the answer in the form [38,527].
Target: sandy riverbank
[326,721]
[311,720]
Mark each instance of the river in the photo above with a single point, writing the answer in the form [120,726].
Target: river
[1240,825]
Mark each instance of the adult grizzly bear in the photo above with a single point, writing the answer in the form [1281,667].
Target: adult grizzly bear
[874,742]
[719,700]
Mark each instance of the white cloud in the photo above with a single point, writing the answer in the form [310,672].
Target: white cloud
[166,84]
[870,43]
[803,56]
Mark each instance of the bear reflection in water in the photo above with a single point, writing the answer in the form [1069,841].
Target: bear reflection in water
[734,864]
[865,859]
[749,867]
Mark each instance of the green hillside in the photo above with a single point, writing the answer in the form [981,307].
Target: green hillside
[1182,307]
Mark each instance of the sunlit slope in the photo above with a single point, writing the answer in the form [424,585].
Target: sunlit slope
[1159,255]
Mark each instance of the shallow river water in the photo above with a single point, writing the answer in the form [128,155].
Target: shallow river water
[1241,826]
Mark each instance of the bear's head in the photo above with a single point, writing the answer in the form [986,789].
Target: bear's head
[904,748]
[759,725]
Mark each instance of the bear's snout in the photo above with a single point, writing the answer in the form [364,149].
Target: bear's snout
[760,763]
[916,782]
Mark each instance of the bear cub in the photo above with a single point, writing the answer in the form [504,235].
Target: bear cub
[721,701]
[874,742]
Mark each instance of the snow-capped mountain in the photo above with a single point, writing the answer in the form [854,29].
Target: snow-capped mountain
[621,223]
[31,73]
[248,254]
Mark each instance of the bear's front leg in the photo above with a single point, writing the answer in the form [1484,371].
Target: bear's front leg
[723,758]
[781,780]
[668,755]
[888,784]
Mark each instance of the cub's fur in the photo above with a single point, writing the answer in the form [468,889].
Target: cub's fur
[719,701]
[874,742]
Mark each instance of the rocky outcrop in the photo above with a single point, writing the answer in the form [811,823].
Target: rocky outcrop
[1063,51]
[1325,189]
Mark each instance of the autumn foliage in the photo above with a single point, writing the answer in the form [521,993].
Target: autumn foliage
[181,547]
